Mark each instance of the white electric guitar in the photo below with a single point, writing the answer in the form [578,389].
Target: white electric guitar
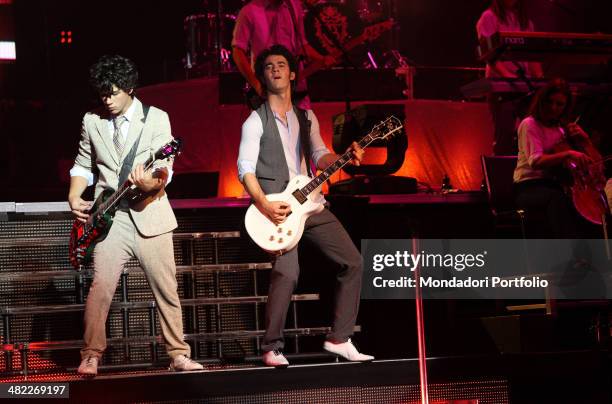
[299,195]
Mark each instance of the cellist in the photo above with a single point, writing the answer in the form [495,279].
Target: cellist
[537,189]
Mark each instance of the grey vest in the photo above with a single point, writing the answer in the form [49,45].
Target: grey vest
[272,171]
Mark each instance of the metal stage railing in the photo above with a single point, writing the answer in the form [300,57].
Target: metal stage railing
[221,279]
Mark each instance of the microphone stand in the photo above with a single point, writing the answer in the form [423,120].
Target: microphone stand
[420,328]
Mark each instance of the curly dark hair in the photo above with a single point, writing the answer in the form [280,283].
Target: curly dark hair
[112,70]
[277,50]
[543,95]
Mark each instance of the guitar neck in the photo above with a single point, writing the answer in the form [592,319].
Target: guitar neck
[334,167]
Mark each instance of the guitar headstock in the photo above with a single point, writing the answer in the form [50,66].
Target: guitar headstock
[387,128]
[170,149]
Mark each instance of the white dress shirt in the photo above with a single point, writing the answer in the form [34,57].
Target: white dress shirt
[252,130]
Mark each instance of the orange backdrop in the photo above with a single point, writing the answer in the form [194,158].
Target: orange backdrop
[444,137]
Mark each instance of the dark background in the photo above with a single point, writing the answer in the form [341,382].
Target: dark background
[45,92]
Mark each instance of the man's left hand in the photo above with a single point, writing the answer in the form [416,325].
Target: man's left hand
[144,180]
[357,153]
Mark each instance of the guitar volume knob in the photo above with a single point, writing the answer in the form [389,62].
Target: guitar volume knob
[271,238]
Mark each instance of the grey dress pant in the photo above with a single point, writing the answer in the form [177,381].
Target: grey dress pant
[156,256]
[324,231]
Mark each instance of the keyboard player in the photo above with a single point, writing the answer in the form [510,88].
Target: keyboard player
[507,110]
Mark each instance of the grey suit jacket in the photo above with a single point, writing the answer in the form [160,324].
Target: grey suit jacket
[97,155]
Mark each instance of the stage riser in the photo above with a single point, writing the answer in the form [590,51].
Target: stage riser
[23,249]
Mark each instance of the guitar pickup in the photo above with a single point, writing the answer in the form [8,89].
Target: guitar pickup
[299,196]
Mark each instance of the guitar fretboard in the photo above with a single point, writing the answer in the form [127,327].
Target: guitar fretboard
[116,196]
[335,166]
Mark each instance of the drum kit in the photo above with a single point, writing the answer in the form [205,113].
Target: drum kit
[208,35]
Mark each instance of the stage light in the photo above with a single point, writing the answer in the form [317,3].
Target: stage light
[372,176]
[65,37]
[7,50]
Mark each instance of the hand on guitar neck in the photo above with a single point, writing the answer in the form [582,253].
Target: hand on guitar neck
[148,180]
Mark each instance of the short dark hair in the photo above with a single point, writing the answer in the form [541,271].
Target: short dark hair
[112,70]
[554,86]
[277,50]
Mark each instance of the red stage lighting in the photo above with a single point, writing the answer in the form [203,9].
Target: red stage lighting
[65,37]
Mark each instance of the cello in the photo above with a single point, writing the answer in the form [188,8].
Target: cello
[585,184]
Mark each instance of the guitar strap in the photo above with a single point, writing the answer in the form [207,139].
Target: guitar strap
[126,168]
[305,125]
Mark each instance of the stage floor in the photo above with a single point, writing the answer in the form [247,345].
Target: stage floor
[568,377]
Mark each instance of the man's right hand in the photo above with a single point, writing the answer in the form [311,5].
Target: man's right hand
[276,211]
[79,207]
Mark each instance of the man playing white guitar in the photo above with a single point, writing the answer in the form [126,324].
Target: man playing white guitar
[278,142]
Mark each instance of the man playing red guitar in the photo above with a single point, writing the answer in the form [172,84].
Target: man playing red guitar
[108,136]
[278,142]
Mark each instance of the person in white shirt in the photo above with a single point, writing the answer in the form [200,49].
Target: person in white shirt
[279,141]
[537,188]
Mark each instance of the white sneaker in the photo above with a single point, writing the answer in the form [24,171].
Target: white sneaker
[182,363]
[88,366]
[347,350]
[276,359]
